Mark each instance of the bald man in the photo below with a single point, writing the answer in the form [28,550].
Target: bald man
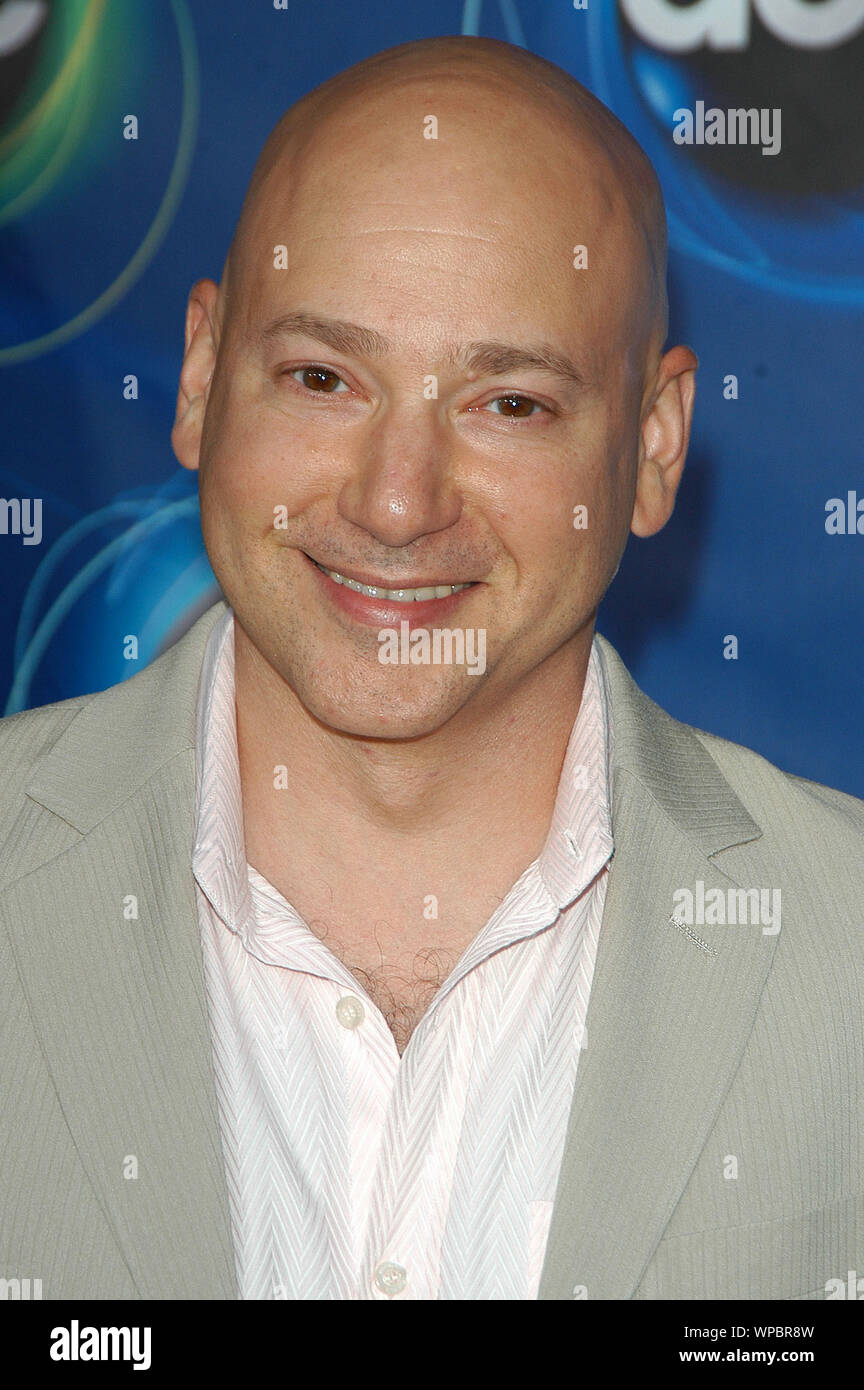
[382,940]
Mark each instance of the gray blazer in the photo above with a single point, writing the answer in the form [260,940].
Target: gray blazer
[714,1145]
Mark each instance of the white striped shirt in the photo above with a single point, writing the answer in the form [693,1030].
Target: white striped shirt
[354,1173]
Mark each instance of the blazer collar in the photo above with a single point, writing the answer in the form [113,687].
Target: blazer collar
[147,720]
[672,765]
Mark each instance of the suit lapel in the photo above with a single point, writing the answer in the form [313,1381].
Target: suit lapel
[668,1016]
[106,940]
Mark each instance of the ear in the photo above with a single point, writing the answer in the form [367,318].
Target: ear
[664,441]
[199,360]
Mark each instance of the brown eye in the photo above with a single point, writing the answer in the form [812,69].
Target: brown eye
[522,406]
[319,379]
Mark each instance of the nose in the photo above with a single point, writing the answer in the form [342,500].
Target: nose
[402,485]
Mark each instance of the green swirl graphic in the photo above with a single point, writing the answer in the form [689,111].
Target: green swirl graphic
[46,137]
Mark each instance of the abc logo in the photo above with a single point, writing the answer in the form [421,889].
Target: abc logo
[725,24]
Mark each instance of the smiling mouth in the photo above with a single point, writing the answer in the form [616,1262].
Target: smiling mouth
[421,594]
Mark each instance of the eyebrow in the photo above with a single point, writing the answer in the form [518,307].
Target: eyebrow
[487,358]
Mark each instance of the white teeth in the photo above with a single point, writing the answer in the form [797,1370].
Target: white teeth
[398,595]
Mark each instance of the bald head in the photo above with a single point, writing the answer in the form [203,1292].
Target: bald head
[498,106]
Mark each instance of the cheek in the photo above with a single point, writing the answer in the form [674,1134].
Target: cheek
[604,480]
[561,515]
[250,464]
[568,529]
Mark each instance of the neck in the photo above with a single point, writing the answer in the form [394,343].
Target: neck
[422,799]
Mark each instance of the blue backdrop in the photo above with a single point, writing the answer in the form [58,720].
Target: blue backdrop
[101,237]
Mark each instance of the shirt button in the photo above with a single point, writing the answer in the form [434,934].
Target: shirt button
[350,1011]
[391,1279]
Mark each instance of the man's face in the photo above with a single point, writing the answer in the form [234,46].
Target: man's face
[405,467]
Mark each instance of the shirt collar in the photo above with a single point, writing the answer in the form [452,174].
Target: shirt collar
[580,840]
[219,854]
